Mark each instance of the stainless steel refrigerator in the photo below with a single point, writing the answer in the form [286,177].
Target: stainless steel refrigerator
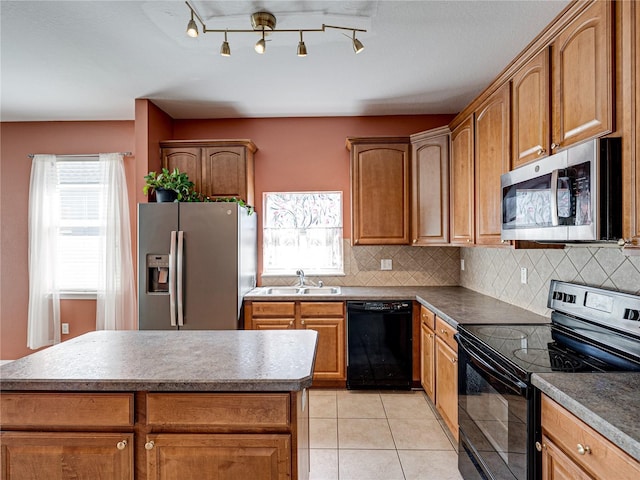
[196,261]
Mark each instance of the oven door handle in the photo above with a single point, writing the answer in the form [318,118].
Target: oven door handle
[511,383]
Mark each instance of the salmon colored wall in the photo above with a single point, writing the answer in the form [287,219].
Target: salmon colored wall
[302,154]
[17,140]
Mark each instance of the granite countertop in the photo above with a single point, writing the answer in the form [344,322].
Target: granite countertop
[185,361]
[608,402]
[455,305]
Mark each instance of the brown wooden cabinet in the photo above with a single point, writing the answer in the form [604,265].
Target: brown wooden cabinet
[326,318]
[582,77]
[447,375]
[572,449]
[219,168]
[379,190]
[63,435]
[531,122]
[462,183]
[492,159]
[430,187]
[427,352]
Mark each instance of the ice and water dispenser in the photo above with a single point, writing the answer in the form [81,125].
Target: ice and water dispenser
[157,273]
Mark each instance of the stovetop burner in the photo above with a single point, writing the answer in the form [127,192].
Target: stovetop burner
[554,357]
[501,332]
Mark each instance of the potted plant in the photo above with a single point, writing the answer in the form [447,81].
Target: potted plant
[169,186]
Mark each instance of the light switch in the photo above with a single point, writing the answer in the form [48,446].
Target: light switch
[523,275]
[65,329]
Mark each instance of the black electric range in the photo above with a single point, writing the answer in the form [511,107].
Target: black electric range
[591,330]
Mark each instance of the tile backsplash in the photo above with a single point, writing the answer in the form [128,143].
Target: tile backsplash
[412,266]
[496,272]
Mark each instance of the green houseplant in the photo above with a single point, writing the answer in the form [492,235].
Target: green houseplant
[169,186]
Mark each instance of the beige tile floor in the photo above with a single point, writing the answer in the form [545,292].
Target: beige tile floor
[378,435]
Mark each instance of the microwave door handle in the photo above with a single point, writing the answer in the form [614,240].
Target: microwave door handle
[172,279]
[554,198]
[511,383]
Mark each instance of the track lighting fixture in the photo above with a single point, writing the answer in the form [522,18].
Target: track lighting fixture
[264,23]
[302,48]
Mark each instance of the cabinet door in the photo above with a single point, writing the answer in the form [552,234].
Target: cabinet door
[462,196]
[218,457]
[330,353]
[430,193]
[531,128]
[187,160]
[224,172]
[380,194]
[492,154]
[557,466]
[61,456]
[447,385]
[582,65]
[427,361]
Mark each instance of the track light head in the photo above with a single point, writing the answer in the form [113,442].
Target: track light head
[261,45]
[302,48]
[357,44]
[192,28]
[225,50]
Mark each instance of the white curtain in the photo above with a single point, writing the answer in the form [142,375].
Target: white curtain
[43,326]
[116,307]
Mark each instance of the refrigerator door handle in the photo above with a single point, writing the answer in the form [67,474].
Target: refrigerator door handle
[172,279]
[180,276]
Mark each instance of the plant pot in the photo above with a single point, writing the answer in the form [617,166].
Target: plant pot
[164,195]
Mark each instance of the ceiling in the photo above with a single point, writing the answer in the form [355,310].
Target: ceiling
[89,60]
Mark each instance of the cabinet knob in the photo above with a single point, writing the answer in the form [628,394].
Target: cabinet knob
[291,323]
[302,322]
[149,445]
[541,447]
[454,360]
[415,240]
[583,449]
[443,331]
[541,151]
[121,445]
[468,240]
[554,146]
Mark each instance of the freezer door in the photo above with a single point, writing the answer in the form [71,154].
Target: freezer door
[156,222]
[210,266]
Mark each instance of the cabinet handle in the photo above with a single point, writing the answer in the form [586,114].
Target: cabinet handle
[121,445]
[149,445]
[583,449]
[542,151]
[554,146]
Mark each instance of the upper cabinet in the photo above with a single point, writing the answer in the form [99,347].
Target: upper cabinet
[530,124]
[492,154]
[379,190]
[430,187]
[462,183]
[582,73]
[219,168]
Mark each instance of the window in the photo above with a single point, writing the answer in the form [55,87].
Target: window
[79,185]
[302,230]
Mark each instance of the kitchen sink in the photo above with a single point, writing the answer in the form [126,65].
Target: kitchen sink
[301,290]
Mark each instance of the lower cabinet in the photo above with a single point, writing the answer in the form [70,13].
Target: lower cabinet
[572,449]
[326,318]
[439,366]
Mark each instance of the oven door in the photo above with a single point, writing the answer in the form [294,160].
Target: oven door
[494,410]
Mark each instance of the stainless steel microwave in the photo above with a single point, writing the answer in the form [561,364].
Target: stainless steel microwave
[572,196]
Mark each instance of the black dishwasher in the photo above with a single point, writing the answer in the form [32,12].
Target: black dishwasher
[379,339]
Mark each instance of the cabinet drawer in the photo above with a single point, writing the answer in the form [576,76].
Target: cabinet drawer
[244,412]
[273,309]
[320,309]
[446,333]
[427,317]
[70,410]
[573,435]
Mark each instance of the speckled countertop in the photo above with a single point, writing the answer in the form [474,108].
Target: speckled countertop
[186,361]
[607,402]
[456,305]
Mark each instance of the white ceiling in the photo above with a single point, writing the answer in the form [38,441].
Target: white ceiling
[89,60]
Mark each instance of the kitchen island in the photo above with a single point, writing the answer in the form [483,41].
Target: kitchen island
[155,404]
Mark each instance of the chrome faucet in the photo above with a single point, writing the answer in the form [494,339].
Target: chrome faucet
[300,274]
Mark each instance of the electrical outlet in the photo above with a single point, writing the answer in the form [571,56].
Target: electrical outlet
[386,264]
[462,264]
[65,329]
[523,275]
